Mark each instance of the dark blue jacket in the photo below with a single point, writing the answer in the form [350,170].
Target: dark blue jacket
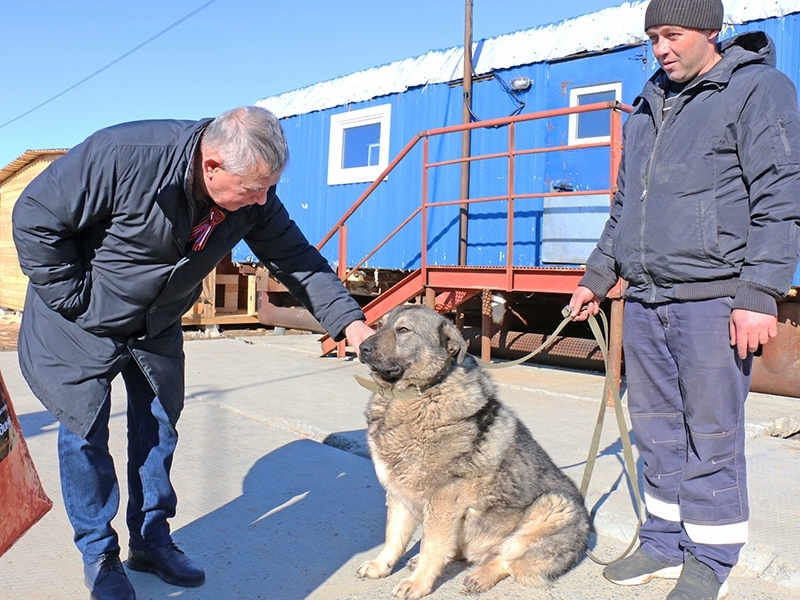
[708,201]
[102,235]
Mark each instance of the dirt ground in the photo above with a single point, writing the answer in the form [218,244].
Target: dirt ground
[9,328]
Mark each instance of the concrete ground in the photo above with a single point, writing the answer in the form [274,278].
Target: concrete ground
[278,500]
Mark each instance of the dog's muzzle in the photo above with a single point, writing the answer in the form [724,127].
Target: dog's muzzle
[389,370]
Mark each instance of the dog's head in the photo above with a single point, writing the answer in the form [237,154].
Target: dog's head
[414,345]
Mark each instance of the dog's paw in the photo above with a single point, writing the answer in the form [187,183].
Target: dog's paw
[408,589]
[484,578]
[412,562]
[476,585]
[373,570]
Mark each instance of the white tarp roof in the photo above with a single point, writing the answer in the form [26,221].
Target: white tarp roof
[594,32]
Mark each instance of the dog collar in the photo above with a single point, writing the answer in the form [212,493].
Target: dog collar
[407,393]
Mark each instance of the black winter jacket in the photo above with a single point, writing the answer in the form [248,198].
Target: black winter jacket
[708,201]
[102,235]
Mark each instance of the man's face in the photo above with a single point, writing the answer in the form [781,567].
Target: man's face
[231,191]
[683,53]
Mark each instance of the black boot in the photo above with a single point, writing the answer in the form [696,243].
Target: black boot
[106,579]
[168,562]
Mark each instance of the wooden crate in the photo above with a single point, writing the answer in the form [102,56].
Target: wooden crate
[228,297]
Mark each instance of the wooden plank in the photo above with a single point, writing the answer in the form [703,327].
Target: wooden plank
[227,279]
[252,307]
[235,319]
[230,301]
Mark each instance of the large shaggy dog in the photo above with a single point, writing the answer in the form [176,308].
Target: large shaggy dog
[454,459]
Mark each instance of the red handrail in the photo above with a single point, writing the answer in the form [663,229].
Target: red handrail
[615,145]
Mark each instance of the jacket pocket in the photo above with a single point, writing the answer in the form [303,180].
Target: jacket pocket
[109,313]
[784,133]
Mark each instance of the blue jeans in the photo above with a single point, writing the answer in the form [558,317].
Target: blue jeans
[686,394]
[89,482]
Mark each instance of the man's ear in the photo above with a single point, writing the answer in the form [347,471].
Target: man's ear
[453,341]
[211,165]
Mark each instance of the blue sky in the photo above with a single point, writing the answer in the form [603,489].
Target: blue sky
[232,52]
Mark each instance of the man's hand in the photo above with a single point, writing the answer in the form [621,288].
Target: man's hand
[356,332]
[580,297]
[749,330]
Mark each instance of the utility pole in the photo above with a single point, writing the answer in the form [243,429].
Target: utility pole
[466,135]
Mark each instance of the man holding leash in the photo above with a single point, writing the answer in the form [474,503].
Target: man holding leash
[705,228]
[116,238]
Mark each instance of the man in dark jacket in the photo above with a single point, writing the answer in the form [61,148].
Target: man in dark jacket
[116,238]
[705,229]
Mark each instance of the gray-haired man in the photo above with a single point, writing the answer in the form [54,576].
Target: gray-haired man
[116,237]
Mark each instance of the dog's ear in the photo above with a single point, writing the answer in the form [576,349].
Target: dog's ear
[453,341]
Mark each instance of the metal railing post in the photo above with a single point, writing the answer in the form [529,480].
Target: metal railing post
[510,215]
[424,251]
[342,273]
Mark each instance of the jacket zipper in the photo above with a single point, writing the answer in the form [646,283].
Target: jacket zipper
[643,198]
[784,139]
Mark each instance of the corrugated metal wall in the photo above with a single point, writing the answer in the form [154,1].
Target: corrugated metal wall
[317,206]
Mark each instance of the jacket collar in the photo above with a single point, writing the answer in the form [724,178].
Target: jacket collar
[754,47]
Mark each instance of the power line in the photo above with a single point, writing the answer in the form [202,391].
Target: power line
[112,63]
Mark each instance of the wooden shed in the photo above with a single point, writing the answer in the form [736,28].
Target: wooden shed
[14,177]
[229,294]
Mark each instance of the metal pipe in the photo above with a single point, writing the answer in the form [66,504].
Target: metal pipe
[777,369]
[286,316]
[615,345]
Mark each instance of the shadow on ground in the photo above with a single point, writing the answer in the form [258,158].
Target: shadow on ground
[304,512]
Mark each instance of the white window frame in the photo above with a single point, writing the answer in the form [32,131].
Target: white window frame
[337,175]
[574,94]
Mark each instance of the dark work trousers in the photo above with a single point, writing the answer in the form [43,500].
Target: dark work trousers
[89,481]
[686,393]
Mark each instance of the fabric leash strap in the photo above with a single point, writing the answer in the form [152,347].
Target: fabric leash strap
[202,231]
[546,344]
[601,336]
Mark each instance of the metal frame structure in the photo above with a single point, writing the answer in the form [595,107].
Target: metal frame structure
[467,278]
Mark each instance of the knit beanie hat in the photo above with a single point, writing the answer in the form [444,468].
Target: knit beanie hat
[695,14]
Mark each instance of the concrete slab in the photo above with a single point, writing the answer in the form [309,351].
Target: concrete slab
[277,500]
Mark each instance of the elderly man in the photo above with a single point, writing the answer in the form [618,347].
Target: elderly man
[116,237]
[705,227]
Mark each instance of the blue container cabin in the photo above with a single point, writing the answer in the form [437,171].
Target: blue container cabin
[343,132]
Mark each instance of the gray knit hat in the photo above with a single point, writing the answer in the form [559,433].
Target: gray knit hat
[695,14]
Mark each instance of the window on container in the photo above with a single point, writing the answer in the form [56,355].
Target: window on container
[593,126]
[359,145]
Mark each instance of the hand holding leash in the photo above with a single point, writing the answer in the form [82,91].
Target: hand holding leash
[584,302]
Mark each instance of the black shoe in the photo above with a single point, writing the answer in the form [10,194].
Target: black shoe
[639,568]
[106,579]
[168,562]
[698,582]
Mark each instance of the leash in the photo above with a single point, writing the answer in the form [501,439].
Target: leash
[627,451]
[601,336]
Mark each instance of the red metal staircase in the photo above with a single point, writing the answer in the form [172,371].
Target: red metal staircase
[447,286]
